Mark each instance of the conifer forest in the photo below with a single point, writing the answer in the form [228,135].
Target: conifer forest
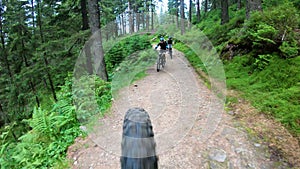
[42,113]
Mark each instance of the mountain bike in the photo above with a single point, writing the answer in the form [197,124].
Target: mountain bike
[161,60]
[170,52]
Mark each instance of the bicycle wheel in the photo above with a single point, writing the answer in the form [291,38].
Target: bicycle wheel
[170,52]
[163,60]
[158,64]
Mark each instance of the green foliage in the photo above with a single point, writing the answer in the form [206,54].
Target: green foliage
[45,145]
[272,30]
[262,61]
[264,35]
[124,48]
[272,3]
[52,131]
[267,71]
[133,68]
[90,94]
[274,89]
[191,56]
[289,50]
[103,94]
[219,33]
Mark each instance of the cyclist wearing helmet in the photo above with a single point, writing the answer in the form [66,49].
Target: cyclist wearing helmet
[170,42]
[163,44]
[161,61]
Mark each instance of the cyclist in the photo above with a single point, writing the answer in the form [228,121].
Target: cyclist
[163,48]
[170,42]
[163,44]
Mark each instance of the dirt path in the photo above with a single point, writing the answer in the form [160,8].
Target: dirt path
[191,129]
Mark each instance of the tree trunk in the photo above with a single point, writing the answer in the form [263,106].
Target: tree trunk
[137,21]
[205,6]
[94,15]
[49,77]
[123,24]
[7,64]
[177,14]
[182,17]
[116,26]
[137,17]
[4,50]
[198,11]
[94,24]
[31,84]
[44,54]
[119,25]
[147,15]
[2,116]
[143,17]
[239,4]
[131,24]
[98,54]
[253,5]
[32,13]
[190,14]
[214,4]
[84,15]
[152,14]
[224,13]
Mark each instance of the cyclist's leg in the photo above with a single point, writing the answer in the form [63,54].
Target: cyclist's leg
[170,50]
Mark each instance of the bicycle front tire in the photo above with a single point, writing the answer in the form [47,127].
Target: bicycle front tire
[158,64]
[163,60]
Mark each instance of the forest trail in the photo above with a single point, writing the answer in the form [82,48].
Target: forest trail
[190,129]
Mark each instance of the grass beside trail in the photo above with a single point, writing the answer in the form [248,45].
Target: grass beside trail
[274,90]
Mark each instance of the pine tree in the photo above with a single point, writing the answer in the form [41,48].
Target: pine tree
[224,13]
[182,18]
[99,66]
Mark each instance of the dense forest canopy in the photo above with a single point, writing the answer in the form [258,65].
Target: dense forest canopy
[41,40]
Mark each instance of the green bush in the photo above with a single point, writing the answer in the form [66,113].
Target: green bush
[262,61]
[91,96]
[273,31]
[124,48]
[289,50]
[53,130]
[46,144]
[263,36]
[274,88]
[133,68]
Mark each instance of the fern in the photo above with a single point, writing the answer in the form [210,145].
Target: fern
[41,122]
[45,145]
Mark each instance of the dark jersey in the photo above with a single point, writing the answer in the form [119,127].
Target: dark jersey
[162,44]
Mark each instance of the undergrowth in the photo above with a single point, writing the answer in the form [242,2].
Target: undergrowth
[264,63]
[54,126]
[275,90]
